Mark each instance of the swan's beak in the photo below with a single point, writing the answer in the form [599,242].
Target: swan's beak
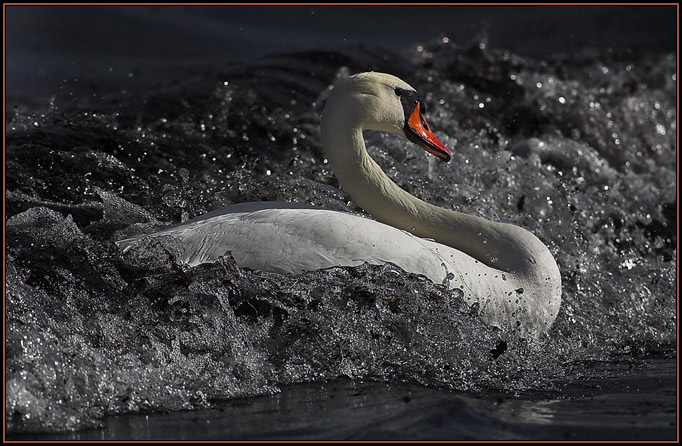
[419,132]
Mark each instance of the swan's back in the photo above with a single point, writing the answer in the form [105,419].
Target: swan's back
[293,239]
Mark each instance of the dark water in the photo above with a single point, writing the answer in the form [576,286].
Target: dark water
[370,410]
[121,120]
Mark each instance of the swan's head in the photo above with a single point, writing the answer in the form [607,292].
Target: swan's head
[379,101]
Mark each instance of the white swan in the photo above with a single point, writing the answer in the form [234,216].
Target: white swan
[505,269]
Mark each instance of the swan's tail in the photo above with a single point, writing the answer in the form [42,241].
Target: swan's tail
[127,244]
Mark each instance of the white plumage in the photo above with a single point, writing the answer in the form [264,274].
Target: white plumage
[505,269]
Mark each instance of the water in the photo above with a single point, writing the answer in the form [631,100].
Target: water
[574,142]
[370,410]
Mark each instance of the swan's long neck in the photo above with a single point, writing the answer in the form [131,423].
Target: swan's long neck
[505,247]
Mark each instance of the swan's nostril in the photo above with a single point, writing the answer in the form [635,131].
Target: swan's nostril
[426,126]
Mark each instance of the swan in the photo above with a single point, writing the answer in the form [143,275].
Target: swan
[506,271]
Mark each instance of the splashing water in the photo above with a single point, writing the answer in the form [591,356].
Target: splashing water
[579,150]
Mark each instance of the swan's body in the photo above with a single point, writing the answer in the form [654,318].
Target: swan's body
[505,269]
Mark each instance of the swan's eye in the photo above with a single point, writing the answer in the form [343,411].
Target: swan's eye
[398,91]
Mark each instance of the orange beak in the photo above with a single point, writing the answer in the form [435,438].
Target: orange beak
[419,132]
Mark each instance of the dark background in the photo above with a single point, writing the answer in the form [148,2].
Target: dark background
[47,46]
